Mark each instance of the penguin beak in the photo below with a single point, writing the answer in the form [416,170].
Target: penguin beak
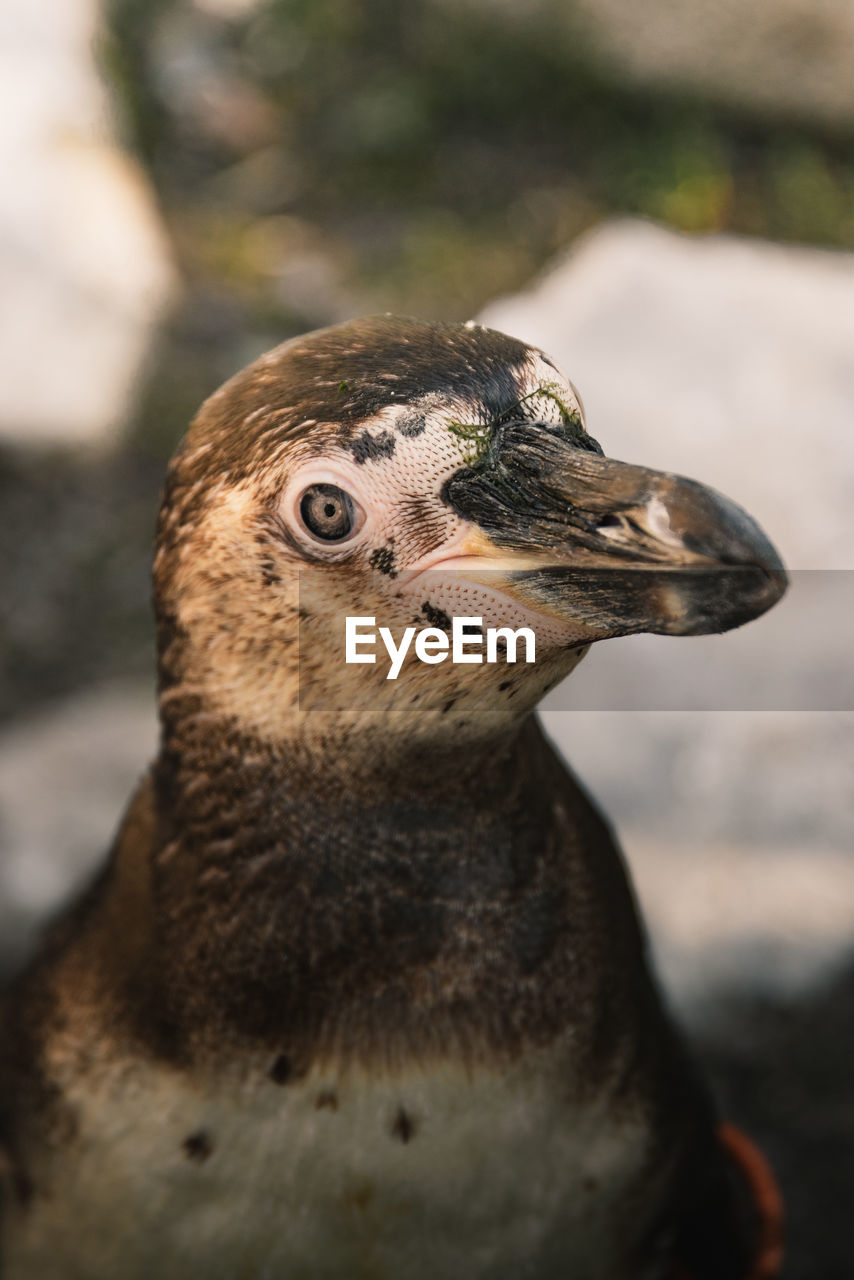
[612,547]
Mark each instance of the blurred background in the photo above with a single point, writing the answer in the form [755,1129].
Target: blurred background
[662,197]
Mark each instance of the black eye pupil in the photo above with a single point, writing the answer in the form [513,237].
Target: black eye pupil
[327,512]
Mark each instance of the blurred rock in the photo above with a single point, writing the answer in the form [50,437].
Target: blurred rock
[790,58]
[65,777]
[732,918]
[84,265]
[773,779]
[737,828]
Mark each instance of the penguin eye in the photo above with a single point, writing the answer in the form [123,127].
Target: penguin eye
[329,513]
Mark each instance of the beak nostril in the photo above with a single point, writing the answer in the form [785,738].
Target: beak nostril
[617,525]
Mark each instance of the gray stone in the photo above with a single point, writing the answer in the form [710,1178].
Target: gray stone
[65,777]
[727,918]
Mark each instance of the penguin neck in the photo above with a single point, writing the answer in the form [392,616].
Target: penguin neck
[332,895]
[338,763]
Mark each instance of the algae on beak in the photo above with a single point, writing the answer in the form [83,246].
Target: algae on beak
[615,547]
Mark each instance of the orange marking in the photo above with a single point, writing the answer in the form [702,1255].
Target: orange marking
[766,1197]
[767,1202]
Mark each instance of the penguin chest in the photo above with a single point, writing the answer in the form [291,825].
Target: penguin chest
[435,1171]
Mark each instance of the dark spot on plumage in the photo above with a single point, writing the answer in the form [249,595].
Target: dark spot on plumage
[403,1126]
[497,404]
[198,1146]
[282,1070]
[505,684]
[368,448]
[171,637]
[411,424]
[425,523]
[277,531]
[269,573]
[382,559]
[362,1196]
[326,1100]
[436,617]
[450,703]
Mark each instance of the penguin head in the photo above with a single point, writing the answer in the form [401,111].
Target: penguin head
[413,473]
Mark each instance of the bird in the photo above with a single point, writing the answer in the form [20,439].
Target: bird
[361,990]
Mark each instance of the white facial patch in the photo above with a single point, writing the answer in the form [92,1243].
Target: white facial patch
[421,557]
[397,463]
[658,523]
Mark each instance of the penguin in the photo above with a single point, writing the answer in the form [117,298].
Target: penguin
[361,989]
